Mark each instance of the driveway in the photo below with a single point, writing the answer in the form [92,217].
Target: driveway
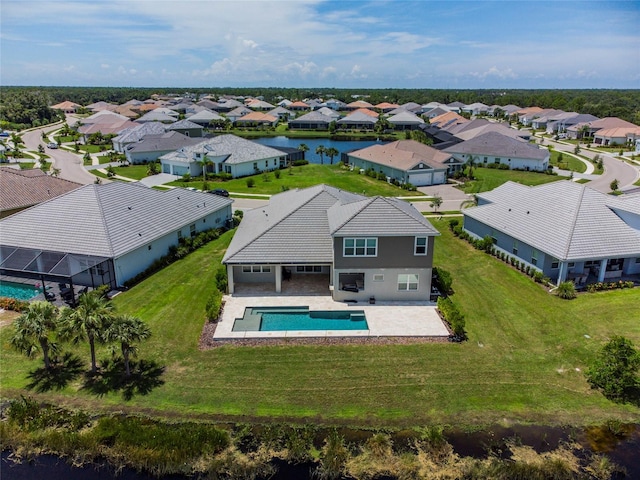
[452,198]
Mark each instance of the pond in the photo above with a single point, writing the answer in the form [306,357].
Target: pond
[343,146]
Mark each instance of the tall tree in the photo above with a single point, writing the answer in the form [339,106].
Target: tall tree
[470,164]
[34,330]
[87,322]
[127,330]
[321,150]
[204,163]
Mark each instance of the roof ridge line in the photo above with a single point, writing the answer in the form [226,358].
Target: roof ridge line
[573,223]
[368,202]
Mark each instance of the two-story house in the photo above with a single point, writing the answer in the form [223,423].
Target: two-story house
[362,247]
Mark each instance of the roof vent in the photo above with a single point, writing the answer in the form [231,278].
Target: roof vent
[527,212]
[509,209]
[139,234]
[129,208]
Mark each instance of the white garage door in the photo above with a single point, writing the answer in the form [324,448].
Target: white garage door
[439,178]
[420,179]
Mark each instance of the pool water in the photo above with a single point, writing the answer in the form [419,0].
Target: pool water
[274,319]
[20,291]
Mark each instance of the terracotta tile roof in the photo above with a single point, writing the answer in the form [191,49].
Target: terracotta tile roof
[618,132]
[403,155]
[360,104]
[67,105]
[298,104]
[366,111]
[257,117]
[24,188]
[447,119]
[387,105]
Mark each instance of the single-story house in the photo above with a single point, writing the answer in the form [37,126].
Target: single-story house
[588,129]
[104,234]
[338,237]
[205,117]
[105,122]
[225,153]
[67,106]
[21,189]
[358,120]
[255,119]
[298,106]
[616,136]
[476,108]
[156,116]
[561,125]
[494,147]
[406,161]
[238,112]
[405,121]
[357,105]
[311,121]
[448,120]
[135,134]
[187,128]
[386,107]
[282,113]
[564,229]
[153,146]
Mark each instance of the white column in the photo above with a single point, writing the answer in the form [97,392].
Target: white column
[230,278]
[278,278]
[603,269]
[562,273]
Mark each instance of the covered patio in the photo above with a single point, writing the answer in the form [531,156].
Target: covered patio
[281,279]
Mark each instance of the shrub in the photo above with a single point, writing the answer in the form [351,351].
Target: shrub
[453,223]
[538,276]
[13,304]
[615,370]
[186,177]
[442,280]
[453,316]
[221,279]
[250,182]
[566,290]
[102,290]
[214,306]
[299,163]
[382,176]
[277,173]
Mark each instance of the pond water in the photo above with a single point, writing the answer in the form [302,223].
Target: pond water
[343,146]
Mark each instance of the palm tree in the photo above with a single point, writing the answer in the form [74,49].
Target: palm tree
[34,329]
[204,163]
[88,321]
[127,330]
[470,164]
[331,152]
[153,168]
[320,150]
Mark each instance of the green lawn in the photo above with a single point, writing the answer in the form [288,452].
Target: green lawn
[490,178]
[136,172]
[306,176]
[568,162]
[94,148]
[523,361]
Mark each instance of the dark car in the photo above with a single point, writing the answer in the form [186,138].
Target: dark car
[220,191]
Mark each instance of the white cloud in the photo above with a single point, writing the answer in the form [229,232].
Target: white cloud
[495,72]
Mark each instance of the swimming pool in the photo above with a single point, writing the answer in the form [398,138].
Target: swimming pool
[21,291]
[275,319]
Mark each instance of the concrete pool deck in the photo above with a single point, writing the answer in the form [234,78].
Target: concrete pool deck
[385,319]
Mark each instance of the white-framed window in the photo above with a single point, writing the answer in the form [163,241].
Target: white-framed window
[309,268]
[256,269]
[514,249]
[360,247]
[555,264]
[420,247]
[408,281]
[378,277]
[192,229]
[534,257]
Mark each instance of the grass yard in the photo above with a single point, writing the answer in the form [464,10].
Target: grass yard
[523,361]
[305,176]
[490,178]
[136,172]
[568,162]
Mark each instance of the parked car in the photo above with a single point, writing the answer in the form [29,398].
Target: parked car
[220,191]
[52,145]
[4,134]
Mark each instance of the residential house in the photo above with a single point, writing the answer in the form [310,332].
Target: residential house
[358,120]
[224,153]
[256,119]
[105,122]
[20,189]
[566,230]
[561,125]
[616,136]
[447,120]
[158,115]
[122,230]
[406,161]
[588,129]
[152,146]
[135,134]
[386,107]
[282,113]
[405,121]
[329,112]
[205,118]
[357,105]
[435,112]
[337,237]
[311,121]
[67,107]
[298,106]
[476,109]
[187,127]
[456,106]
[100,106]
[259,105]
[493,147]
[335,104]
[237,113]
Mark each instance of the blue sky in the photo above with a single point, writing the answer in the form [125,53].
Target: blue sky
[348,44]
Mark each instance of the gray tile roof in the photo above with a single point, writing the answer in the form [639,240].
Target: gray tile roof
[164,142]
[406,118]
[107,220]
[135,134]
[237,150]
[297,226]
[564,219]
[356,118]
[494,143]
[183,125]
[313,117]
